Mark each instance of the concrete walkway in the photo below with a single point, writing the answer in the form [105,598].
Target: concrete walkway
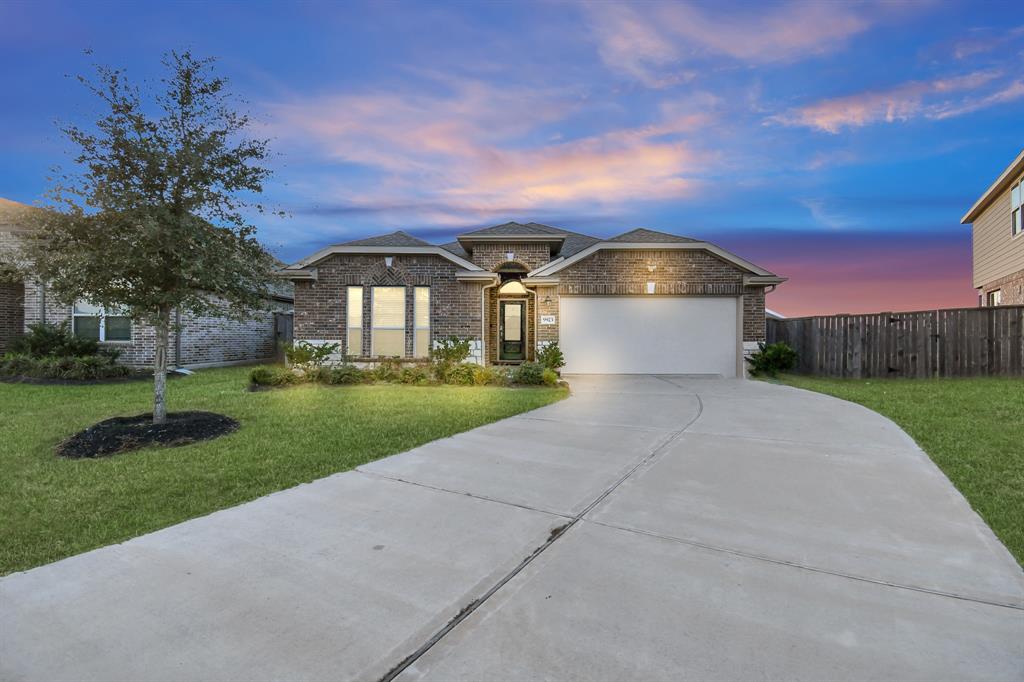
[648,528]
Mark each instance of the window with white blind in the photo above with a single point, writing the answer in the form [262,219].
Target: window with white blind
[354,321]
[388,319]
[94,322]
[421,316]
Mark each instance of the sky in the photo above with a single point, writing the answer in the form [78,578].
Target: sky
[836,144]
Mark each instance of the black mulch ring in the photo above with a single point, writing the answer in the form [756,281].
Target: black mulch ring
[122,434]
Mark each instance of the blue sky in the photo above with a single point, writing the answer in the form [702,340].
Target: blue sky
[835,143]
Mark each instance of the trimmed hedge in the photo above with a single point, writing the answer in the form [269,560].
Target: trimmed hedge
[419,374]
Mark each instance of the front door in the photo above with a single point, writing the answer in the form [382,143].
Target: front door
[512,343]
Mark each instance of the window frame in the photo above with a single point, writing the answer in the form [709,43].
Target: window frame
[373,320]
[1017,210]
[416,328]
[102,315]
[994,299]
[349,290]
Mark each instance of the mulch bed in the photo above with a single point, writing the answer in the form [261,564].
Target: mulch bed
[122,434]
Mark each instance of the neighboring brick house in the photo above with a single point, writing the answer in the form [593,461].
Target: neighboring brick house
[198,341]
[997,238]
[641,302]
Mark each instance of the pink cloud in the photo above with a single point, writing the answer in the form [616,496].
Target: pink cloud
[650,42]
[475,144]
[935,99]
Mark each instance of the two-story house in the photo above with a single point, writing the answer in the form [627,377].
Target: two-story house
[998,238]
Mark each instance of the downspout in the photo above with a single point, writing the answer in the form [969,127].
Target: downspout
[483,320]
[536,321]
[177,337]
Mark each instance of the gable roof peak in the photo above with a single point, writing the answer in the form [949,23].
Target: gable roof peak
[396,238]
[642,234]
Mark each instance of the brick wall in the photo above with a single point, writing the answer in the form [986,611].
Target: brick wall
[490,255]
[1011,286]
[320,306]
[204,339]
[677,272]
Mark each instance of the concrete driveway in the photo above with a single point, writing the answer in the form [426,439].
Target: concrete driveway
[648,528]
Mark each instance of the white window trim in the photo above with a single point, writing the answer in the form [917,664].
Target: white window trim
[103,324]
[373,321]
[1019,186]
[416,328]
[348,316]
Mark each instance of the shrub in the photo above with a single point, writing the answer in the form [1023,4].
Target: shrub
[463,374]
[416,374]
[452,350]
[772,359]
[489,376]
[54,340]
[88,367]
[273,376]
[551,356]
[549,377]
[307,356]
[529,373]
[346,374]
[387,369]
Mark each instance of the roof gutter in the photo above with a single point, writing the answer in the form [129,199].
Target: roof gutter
[1004,180]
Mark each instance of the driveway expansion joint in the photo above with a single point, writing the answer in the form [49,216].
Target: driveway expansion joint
[806,567]
[555,534]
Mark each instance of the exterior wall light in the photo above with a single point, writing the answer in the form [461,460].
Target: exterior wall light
[650,287]
[651,267]
[388,260]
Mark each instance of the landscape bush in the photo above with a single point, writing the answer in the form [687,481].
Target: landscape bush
[80,368]
[551,356]
[54,340]
[391,370]
[308,356]
[771,359]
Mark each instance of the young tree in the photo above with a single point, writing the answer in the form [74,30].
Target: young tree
[152,220]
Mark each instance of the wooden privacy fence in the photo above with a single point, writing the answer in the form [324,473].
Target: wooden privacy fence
[956,342]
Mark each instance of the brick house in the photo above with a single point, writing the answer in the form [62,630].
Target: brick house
[641,302]
[997,238]
[199,341]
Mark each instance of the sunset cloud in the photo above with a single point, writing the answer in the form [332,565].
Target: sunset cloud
[936,99]
[653,42]
[475,145]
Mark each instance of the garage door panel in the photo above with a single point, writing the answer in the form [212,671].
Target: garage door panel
[656,335]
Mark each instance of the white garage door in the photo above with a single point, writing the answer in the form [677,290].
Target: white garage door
[649,335]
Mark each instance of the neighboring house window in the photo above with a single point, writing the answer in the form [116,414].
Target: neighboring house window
[421,316]
[1016,212]
[93,322]
[995,298]
[354,315]
[388,330]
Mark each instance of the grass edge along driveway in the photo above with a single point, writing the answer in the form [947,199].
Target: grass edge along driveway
[52,508]
[972,428]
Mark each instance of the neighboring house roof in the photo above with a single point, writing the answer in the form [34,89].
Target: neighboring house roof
[1004,180]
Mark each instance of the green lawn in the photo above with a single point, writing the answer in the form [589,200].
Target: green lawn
[972,428]
[52,508]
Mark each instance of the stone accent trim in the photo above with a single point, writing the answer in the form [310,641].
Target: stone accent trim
[1011,286]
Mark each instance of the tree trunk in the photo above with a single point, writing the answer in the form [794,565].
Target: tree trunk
[163,326]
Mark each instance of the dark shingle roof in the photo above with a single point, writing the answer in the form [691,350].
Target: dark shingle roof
[514,228]
[642,235]
[456,248]
[394,239]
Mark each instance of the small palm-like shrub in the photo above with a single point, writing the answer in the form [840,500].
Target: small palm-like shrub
[771,359]
[551,356]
